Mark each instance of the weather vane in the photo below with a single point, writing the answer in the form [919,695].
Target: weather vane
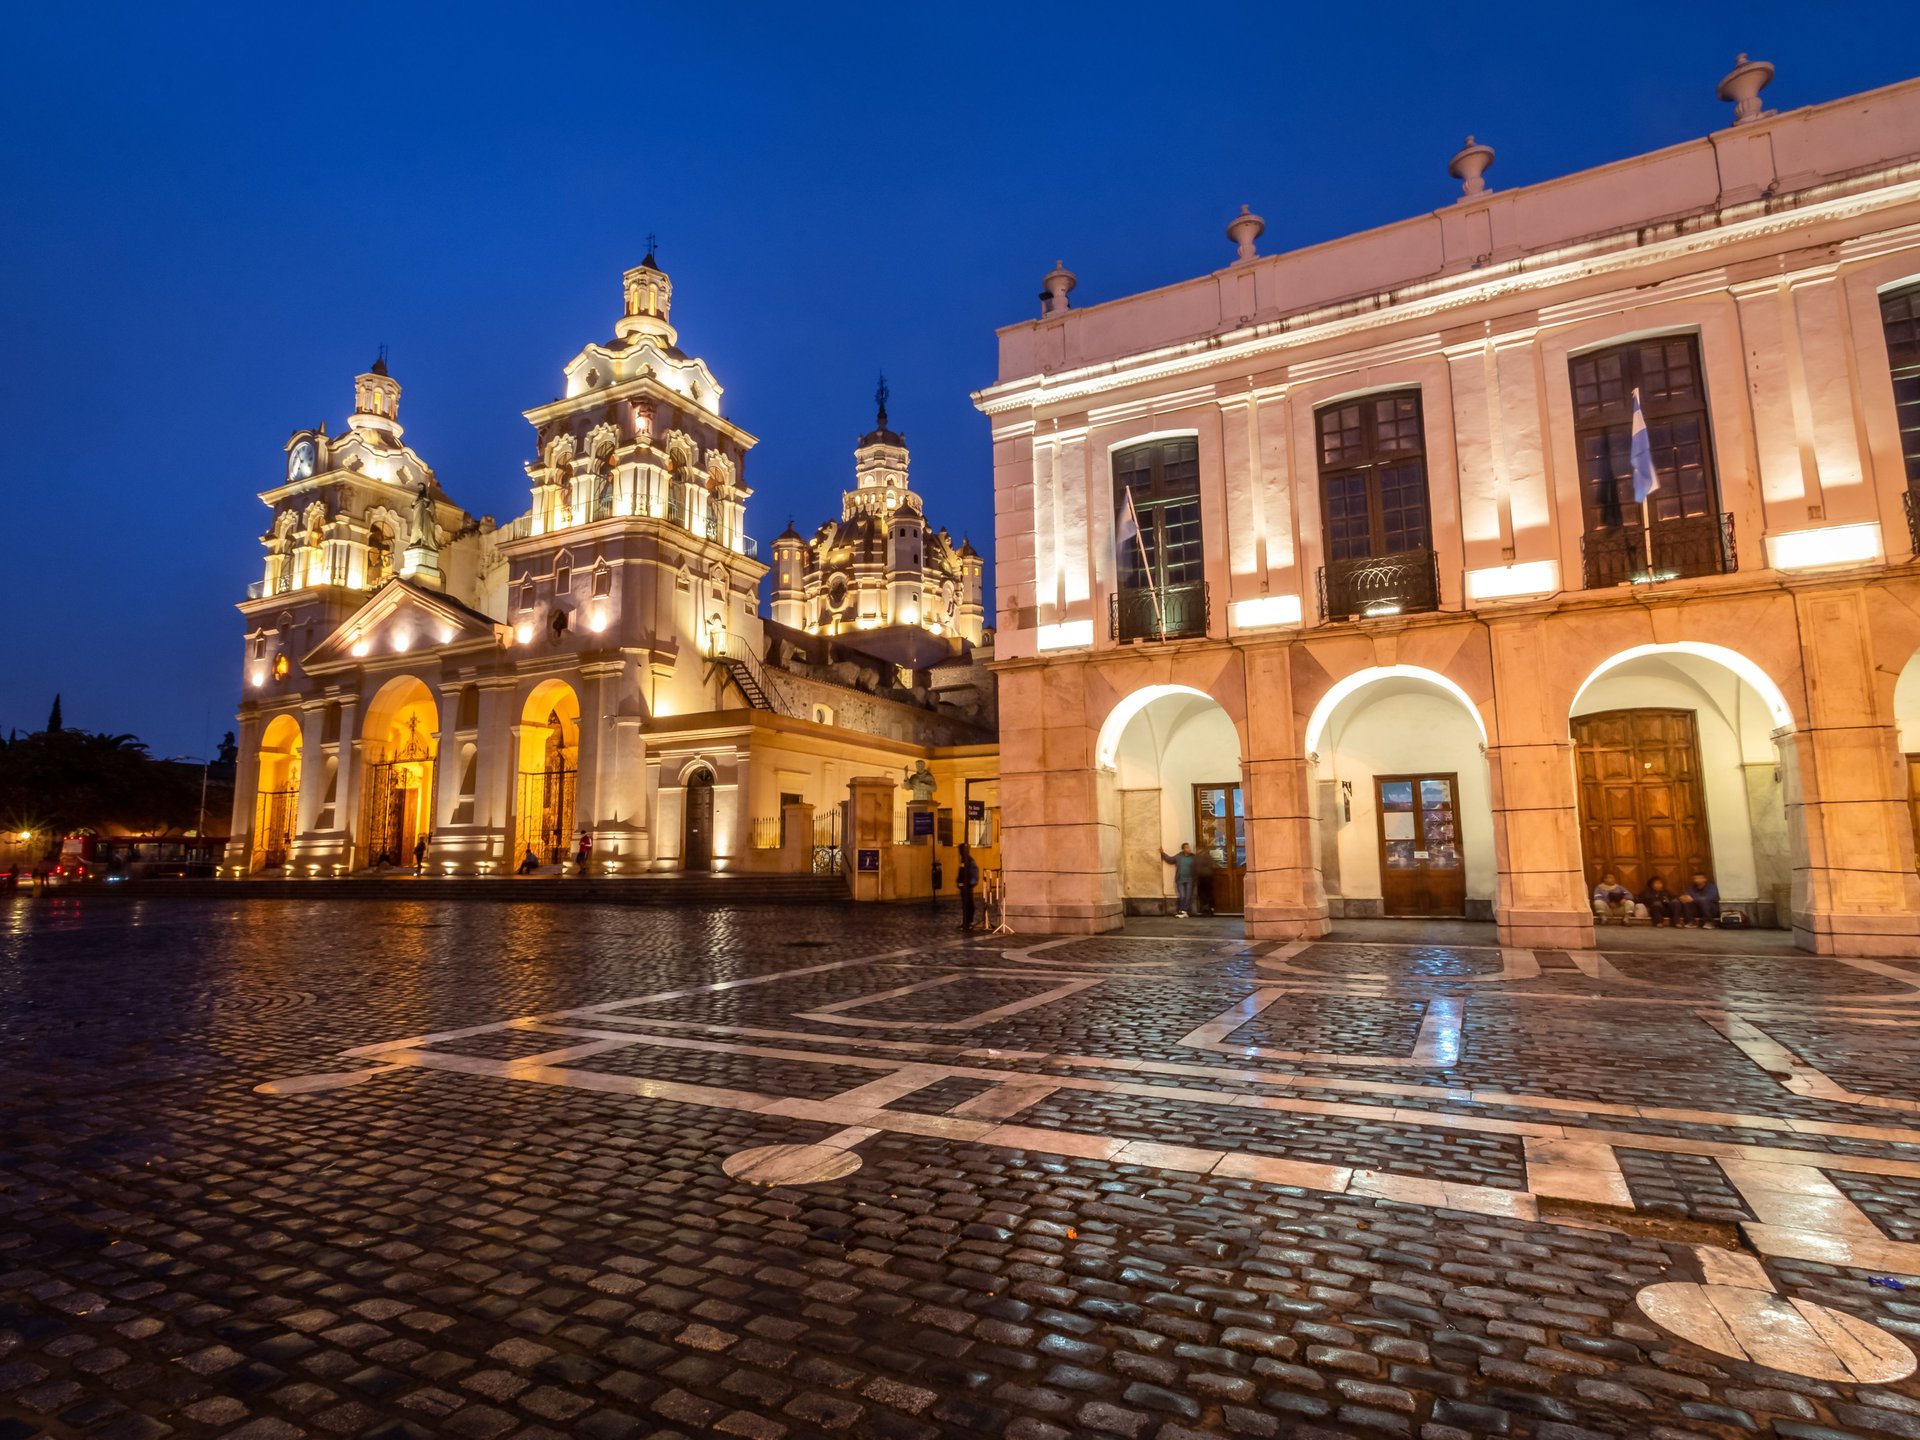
[653,243]
[880,397]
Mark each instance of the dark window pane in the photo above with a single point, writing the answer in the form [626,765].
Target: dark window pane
[1374,476]
[1666,372]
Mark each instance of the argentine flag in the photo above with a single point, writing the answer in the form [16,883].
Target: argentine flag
[1129,529]
[1645,479]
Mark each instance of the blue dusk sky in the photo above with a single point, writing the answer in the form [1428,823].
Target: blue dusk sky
[212,217]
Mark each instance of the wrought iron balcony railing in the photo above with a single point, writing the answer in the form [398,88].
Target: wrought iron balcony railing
[1161,612]
[1913,519]
[1694,545]
[1379,585]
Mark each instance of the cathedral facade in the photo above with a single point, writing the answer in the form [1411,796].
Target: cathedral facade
[880,567]
[426,688]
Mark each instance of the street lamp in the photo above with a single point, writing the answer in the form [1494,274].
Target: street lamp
[200,815]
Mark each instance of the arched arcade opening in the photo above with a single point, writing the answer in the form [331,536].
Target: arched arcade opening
[549,773]
[277,796]
[401,738]
[1678,770]
[1402,797]
[1169,762]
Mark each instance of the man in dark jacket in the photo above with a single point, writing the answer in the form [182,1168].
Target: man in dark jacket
[1659,903]
[1700,906]
[966,877]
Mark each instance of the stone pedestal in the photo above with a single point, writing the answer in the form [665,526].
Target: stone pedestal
[870,835]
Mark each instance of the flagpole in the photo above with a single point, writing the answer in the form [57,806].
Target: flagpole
[1159,618]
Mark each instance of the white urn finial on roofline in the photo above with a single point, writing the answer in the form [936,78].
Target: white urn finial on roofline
[1243,230]
[1743,85]
[1468,165]
[1059,281]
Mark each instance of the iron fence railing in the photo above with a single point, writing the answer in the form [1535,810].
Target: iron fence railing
[1692,545]
[1913,519]
[1158,612]
[1377,585]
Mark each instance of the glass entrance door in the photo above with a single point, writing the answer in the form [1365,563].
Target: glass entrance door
[1421,869]
[1220,827]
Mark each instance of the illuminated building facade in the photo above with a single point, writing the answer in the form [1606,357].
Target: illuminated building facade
[1335,561]
[421,683]
[880,567]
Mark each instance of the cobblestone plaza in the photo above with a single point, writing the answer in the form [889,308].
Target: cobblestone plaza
[398,1168]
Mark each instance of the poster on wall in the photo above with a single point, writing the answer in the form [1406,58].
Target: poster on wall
[869,860]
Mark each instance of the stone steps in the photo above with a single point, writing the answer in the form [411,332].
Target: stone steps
[700,891]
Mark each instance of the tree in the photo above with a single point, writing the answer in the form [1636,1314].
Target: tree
[54,726]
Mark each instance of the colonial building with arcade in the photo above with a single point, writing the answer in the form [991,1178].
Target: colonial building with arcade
[1340,561]
[424,686]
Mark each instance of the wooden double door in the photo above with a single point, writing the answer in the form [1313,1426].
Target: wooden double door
[1220,825]
[1422,870]
[1643,810]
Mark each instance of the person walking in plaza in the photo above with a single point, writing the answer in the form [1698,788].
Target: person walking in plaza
[966,877]
[1203,881]
[1183,872]
[1659,903]
[420,855]
[586,850]
[1612,900]
[1700,905]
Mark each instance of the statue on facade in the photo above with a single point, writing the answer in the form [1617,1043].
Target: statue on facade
[422,533]
[921,782]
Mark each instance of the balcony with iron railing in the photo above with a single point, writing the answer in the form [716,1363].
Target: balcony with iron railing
[1691,546]
[1158,612]
[1371,586]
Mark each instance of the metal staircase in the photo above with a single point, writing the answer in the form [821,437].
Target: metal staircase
[740,663]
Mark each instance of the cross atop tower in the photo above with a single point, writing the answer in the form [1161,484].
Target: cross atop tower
[880,400]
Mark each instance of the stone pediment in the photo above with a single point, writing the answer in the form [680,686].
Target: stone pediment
[402,618]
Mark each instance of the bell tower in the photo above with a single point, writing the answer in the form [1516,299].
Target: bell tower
[376,400]
[649,301]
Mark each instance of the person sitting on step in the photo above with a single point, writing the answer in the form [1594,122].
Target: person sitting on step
[1612,900]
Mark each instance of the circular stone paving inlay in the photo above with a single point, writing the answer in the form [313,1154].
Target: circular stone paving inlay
[791,1164]
[1796,1336]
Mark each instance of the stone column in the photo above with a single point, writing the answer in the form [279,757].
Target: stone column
[246,784]
[346,790]
[1542,897]
[313,776]
[1061,848]
[1286,899]
[1854,887]
[496,781]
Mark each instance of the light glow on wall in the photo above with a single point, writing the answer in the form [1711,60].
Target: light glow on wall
[1266,610]
[1733,660]
[1502,582]
[523,632]
[1830,545]
[1067,635]
[1340,690]
[360,646]
[403,643]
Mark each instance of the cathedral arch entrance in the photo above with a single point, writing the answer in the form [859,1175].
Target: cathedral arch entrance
[549,772]
[697,841]
[1403,796]
[277,803]
[1679,768]
[400,739]
[1172,756]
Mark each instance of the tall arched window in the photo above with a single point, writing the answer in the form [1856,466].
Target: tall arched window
[1373,502]
[1900,321]
[1679,530]
[1160,564]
